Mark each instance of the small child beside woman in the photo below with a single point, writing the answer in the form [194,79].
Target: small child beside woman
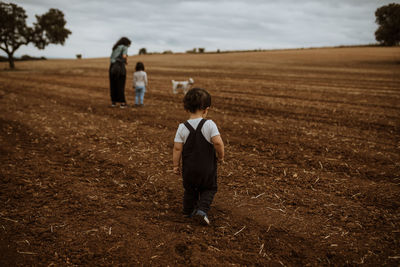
[139,83]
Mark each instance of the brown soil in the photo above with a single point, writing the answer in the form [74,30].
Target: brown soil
[312,172]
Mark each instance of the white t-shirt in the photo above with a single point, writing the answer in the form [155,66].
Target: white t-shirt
[139,78]
[209,130]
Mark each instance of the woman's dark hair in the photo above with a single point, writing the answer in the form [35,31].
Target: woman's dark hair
[196,99]
[139,66]
[123,41]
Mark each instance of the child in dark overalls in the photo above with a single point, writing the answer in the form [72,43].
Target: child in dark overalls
[198,142]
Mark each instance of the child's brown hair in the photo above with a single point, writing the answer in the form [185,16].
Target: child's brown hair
[139,66]
[196,99]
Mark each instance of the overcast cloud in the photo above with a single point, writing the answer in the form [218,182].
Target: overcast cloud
[178,25]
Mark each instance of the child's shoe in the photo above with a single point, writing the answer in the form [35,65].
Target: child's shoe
[189,214]
[201,217]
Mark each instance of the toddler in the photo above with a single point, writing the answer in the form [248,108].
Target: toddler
[139,83]
[199,144]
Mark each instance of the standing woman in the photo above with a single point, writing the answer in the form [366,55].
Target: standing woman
[117,72]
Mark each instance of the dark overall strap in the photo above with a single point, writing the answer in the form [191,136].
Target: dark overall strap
[201,123]
[191,129]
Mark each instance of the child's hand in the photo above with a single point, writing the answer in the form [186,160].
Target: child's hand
[176,170]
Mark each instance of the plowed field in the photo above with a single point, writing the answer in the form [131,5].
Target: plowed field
[312,171]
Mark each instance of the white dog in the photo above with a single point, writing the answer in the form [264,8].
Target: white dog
[184,85]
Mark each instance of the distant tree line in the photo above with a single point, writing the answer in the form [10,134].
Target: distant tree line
[22,58]
[196,50]
[143,51]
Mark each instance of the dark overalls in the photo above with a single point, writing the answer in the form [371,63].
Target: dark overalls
[199,171]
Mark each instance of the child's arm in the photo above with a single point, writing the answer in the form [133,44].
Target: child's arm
[176,156]
[219,147]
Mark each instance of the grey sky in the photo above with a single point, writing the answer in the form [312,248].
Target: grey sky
[179,25]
